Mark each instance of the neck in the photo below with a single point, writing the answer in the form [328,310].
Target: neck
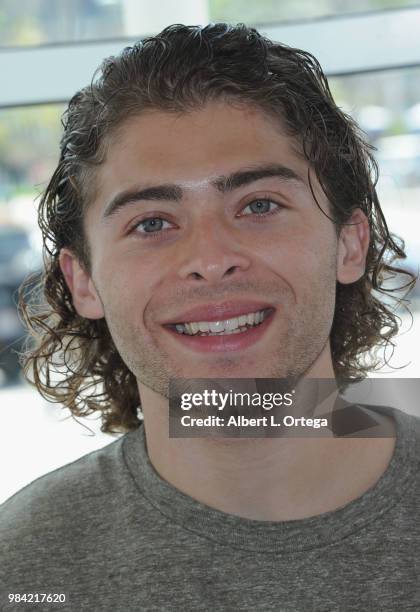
[272,479]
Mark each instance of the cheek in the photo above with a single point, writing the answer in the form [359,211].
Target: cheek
[123,290]
[307,263]
[133,286]
[294,252]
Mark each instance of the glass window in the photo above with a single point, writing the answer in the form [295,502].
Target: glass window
[29,149]
[272,11]
[387,107]
[38,22]
[386,104]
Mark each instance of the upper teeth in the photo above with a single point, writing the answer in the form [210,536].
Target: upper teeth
[253,318]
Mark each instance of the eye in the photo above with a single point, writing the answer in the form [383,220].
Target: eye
[151,225]
[261,207]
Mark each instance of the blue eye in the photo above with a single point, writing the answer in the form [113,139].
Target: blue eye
[154,223]
[152,226]
[262,208]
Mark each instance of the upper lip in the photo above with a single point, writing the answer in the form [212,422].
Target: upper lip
[218,312]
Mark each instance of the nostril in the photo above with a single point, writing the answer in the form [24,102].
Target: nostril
[231,270]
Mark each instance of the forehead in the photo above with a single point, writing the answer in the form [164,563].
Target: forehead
[193,147]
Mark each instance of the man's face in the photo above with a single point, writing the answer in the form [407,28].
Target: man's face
[213,246]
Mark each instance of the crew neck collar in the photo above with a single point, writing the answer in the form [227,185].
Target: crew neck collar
[278,536]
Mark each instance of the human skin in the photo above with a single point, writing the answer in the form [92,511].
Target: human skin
[212,248]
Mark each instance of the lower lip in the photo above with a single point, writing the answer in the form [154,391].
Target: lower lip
[220,344]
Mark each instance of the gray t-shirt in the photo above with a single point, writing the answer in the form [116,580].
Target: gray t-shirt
[110,534]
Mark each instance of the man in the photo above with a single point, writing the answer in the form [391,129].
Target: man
[207,175]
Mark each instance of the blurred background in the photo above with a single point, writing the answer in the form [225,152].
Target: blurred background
[369,49]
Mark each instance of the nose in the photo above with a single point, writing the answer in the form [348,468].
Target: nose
[212,252]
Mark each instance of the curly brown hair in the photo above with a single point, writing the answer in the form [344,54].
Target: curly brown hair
[73,360]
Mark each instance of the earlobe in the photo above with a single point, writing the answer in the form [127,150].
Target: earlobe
[85,297]
[353,245]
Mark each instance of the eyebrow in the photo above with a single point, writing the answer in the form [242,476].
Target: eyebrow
[224,184]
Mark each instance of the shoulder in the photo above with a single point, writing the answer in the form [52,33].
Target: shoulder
[53,500]
[48,528]
[387,421]
[397,420]
[405,429]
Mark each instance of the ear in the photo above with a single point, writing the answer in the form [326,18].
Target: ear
[85,297]
[353,245]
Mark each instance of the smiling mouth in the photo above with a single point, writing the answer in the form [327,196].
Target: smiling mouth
[227,327]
